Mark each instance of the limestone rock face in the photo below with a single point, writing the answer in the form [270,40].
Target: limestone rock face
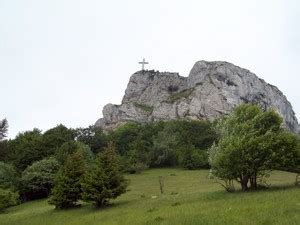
[211,90]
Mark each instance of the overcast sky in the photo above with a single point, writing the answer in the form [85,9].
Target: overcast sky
[61,61]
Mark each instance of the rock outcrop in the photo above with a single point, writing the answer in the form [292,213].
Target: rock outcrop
[211,90]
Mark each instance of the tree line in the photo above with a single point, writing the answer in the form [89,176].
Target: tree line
[87,164]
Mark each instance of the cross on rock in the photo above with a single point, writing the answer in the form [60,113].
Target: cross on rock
[143,63]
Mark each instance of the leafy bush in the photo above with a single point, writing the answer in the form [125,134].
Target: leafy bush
[193,158]
[137,167]
[8,198]
[38,179]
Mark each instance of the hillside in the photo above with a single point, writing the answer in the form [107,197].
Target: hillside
[189,198]
[211,90]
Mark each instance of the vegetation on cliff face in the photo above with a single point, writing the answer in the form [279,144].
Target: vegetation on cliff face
[178,95]
[144,107]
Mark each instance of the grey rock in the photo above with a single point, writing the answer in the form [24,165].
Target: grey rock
[211,90]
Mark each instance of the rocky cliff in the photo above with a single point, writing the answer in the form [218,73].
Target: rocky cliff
[211,90]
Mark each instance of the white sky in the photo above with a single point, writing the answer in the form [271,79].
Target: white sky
[61,61]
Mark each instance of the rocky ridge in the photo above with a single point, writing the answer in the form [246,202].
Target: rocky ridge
[211,90]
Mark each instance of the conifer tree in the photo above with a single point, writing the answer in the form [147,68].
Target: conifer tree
[67,188]
[105,181]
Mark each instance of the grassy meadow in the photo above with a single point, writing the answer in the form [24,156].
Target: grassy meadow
[189,198]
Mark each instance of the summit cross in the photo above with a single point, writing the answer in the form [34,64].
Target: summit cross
[143,63]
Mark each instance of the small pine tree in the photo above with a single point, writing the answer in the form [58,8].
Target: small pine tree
[67,186]
[105,181]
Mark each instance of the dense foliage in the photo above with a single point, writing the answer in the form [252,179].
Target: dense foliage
[55,137]
[38,179]
[243,146]
[169,143]
[26,148]
[69,148]
[104,181]
[8,198]
[93,137]
[67,186]
[252,143]
[9,178]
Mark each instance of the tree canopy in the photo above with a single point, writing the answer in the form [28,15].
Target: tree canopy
[252,141]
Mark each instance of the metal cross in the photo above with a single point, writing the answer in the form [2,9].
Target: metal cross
[143,64]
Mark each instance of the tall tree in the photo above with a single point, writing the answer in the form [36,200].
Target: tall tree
[252,142]
[105,180]
[55,137]
[93,137]
[67,186]
[26,148]
[3,128]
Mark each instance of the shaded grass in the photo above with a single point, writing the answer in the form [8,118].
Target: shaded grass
[190,198]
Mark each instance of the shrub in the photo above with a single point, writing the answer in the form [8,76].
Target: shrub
[8,198]
[38,179]
[194,158]
[137,167]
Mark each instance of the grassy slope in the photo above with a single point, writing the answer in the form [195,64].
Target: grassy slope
[198,201]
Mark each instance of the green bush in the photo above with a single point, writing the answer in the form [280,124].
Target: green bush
[136,167]
[38,179]
[193,158]
[8,198]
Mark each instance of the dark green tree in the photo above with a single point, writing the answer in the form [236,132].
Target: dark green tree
[67,186]
[3,128]
[9,177]
[38,179]
[124,136]
[73,146]
[55,137]
[26,148]
[105,180]
[93,137]
[251,143]
[4,151]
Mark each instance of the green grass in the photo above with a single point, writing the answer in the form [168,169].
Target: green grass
[190,198]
